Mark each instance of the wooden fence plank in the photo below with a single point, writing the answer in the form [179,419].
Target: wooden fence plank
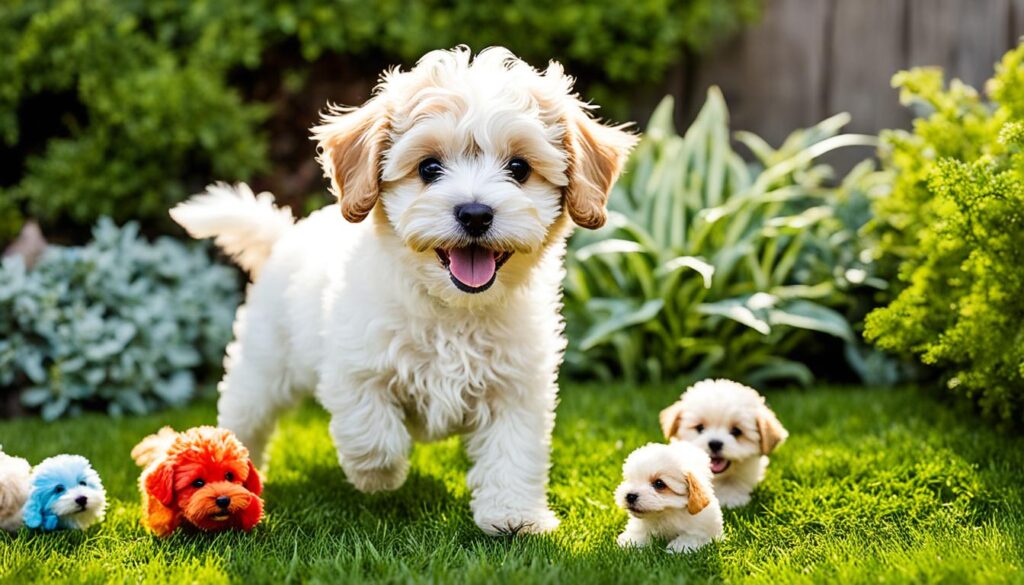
[867,48]
[808,59]
[772,75]
[965,37]
[1016,21]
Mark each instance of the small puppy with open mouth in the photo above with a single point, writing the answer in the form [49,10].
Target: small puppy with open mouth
[734,426]
[668,493]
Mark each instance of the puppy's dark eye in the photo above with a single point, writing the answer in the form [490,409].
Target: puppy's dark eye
[658,484]
[58,489]
[82,482]
[699,428]
[519,169]
[229,476]
[431,170]
[198,483]
[736,432]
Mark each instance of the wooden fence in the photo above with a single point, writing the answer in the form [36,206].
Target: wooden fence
[808,59]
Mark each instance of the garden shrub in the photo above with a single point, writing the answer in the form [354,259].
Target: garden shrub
[955,224]
[119,323]
[712,267]
[123,107]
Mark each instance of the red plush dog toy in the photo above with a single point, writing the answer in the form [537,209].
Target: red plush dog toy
[201,477]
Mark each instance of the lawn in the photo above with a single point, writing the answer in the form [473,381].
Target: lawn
[872,486]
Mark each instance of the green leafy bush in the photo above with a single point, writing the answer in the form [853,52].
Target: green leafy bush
[712,267]
[119,323]
[955,224]
[121,107]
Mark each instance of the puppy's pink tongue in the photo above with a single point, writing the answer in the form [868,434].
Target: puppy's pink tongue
[473,266]
[718,465]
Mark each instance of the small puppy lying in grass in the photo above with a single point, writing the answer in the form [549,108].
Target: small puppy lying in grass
[15,476]
[734,426]
[65,492]
[668,493]
[200,477]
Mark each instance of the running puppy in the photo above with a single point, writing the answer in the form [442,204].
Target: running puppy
[426,302]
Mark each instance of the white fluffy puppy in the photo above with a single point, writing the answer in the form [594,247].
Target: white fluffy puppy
[15,477]
[732,423]
[668,493]
[426,302]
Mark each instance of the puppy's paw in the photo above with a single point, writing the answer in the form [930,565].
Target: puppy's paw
[380,479]
[512,523]
[733,499]
[628,540]
[683,545]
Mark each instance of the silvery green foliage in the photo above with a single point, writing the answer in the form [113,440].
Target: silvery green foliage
[120,323]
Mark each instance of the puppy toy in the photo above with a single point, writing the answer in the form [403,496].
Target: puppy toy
[201,477]
[15,476]
[65,492]
[733,425]
[667,491]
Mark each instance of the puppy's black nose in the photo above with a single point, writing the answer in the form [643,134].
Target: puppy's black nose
[715,445]
[82,501]
[475,218]
[223,502]
[631,498]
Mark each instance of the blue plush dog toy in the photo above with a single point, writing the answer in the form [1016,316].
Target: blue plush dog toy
[65,492]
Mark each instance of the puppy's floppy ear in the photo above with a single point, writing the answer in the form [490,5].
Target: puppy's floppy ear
[159,518]
[670,418]
[253,482]
[698,498]
[350,143]
[771,430]
[596,155]
[32,513]
[160,482]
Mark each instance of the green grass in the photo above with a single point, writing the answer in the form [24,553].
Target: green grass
[872,486]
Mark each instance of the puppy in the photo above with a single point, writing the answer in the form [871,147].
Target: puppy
[668,493]
[65,492]
[732,423]
[201,477]
[426,302]
[15,478]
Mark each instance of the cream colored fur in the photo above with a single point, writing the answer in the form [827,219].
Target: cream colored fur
[15,476]
[681,509]
[353,304]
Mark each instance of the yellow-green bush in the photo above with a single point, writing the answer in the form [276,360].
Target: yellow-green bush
[955,224]
[121,107]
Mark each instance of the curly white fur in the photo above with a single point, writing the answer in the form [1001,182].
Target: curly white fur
[367,315]
[734,426]
[15,474]
[247,237]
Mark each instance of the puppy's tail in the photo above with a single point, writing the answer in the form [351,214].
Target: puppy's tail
[244,225]
[153,446]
